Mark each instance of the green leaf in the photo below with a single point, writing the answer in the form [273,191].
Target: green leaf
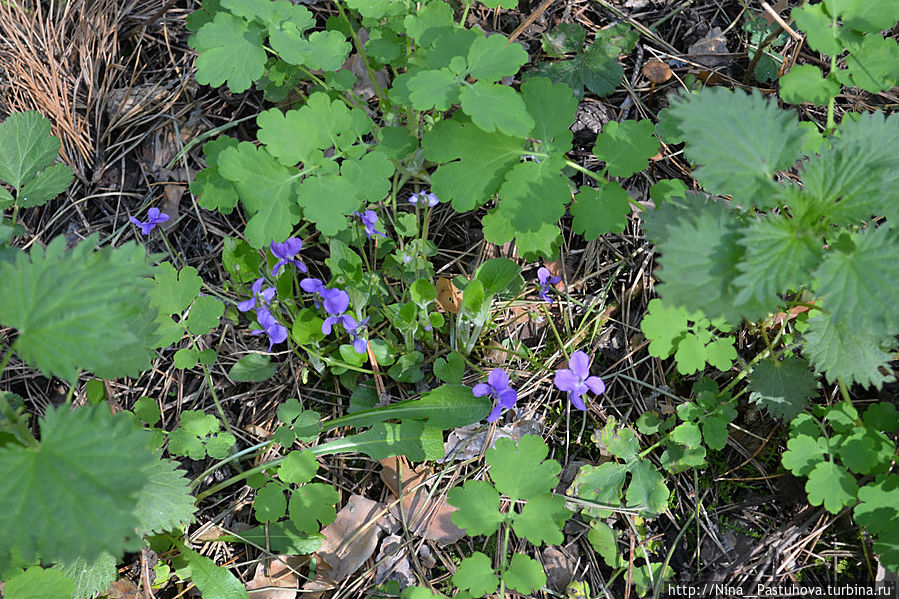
[51,296]
[533,195]
[647,489]
[541,520]
[819,28]
[664,325]
[370,9]
[437,89]
[94,461]
[198,435]
[714,431]
[45,186]
[803,455]
[721,353]
[478,504]
[873,64]
[626,147]
[520,471]
[186,358]
[147,410]
[312,504]
[804,83]
[882,417]
[602,484]
[830,484]
[299,467]
[553,107]
[204,315]
[620,442]
[782,387]
[780,255]
[593,69]
[524,574]
[384,440]
[857,452]
[475,574]
[90,578]
[493,57]
[451,369]
[327,200]
[279,537]
[859,355]
[213,581]
[602,539]
[370,175]
[497,274]
[494,107]
[174,291]
[240,260]
[428,22]
[687,434]
[740,141]
[26,146]
[860,286]
[252,368]
[301,424]
[481,162]
[565,38]
[600,210]
[230,49]
[446,407]
[407,368]
[270,504]
[39,583]
[165,502]
[267,191]
[879,507]
[325,50]
[396,142]
[213,191]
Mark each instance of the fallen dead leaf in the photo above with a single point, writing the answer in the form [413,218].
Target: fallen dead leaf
[465,442]
[278,573]
[711,50]
[425,515]
[123,588]
[349,541]
[559,565]
[448,295]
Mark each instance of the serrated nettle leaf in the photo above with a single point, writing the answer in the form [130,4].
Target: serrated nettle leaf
[739,140]
[165,502]
[50,295]
[782,387]
[91,578]
[26,147]
[36,582]
[45,186]
[95,463]
[853,355]
[600,210]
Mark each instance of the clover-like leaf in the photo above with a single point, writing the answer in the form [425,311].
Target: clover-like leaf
[541,520]
[298,423]
[475,574]
[830,484]
[478,504]
[270,504]
[524,575]
[95,463]
[879,507]
[50,296]
[199,435]
[803,455]
[230,49]
[299,467]
[313,505]
[521,472]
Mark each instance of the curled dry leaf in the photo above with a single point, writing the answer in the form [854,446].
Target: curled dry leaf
[448,296]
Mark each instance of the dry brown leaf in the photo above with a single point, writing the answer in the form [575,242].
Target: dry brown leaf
[448,295]
[711,50]
[349,541]
[426,516]
[559,565]
[123,588]
[279,573]
[467,442]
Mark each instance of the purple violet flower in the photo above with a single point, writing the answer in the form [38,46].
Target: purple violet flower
[285,253]
[369,218]
[263,297]
[497,386]
[336,300]
[576,380]
[544,279]
[422,197]
[154,217]
[351,326]
[276,332]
